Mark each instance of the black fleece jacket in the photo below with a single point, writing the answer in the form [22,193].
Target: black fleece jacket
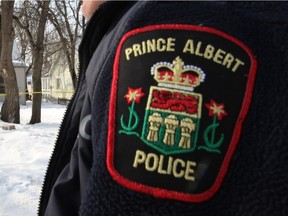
[79,179]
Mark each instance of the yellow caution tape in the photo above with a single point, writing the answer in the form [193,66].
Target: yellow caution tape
[25,93]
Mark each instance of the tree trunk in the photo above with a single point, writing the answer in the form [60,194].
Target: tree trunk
[37,53]
[37,87]
[71,63]
[10,111]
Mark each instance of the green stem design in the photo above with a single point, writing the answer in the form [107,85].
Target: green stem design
[132,114]
[131,109]
[213,130]
[210,143]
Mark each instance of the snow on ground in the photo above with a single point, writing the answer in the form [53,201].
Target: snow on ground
[24,155]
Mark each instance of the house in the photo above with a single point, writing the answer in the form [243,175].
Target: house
[57,84]
[20,68]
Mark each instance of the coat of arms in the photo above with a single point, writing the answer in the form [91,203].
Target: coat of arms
[173,110]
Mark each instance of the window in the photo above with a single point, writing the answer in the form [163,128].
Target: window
[58,83]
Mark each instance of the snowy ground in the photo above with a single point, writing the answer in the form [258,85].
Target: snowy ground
[24,154]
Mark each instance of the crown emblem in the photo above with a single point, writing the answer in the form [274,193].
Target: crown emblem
[177,75]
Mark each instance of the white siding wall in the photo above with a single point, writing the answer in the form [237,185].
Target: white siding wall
[21,81]
[60,79]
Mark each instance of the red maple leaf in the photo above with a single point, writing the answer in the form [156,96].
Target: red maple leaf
[216,109]
[134,95]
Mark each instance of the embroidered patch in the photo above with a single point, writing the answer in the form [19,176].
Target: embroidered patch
[179,96]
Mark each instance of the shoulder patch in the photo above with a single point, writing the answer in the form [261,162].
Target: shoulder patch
[179,97]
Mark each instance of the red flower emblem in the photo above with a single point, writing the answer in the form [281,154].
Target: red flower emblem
[134,95]
[216,109]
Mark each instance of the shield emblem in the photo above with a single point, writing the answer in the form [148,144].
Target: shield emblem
[172,118]
[173,133]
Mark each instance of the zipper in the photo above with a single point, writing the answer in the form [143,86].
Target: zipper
[56,152]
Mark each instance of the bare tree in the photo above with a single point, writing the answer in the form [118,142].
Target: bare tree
[10,111]
[64,15]
[38,16]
